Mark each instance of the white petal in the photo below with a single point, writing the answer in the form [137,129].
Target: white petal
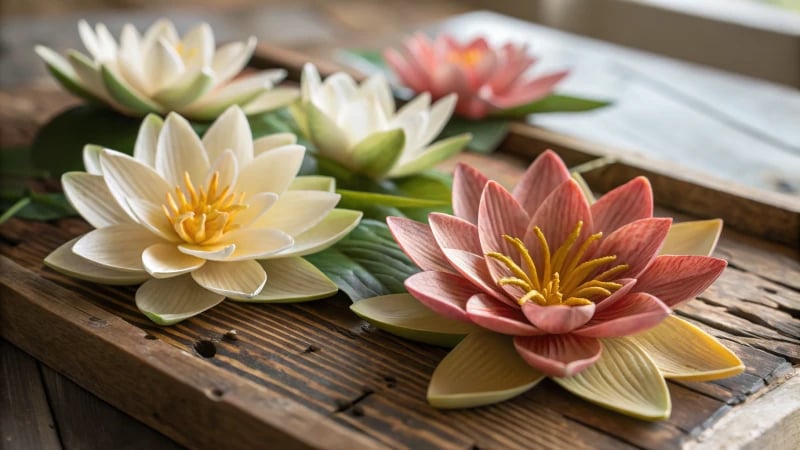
[257,205]
[161,29]
[272,171]
[165,261]
[89,39]
[129,61]
[237,92]
[90,196]
[440,114]
[64,260]
[151,216]
[169,301]
[128,178]
[271,100]
[89,75]
[235,278]
[257,243]
[122,92]
[218,252]
[420,103]
[180,151]
[61,69]
[91,159]
[227,168]
[231,58]
[162,65]
[198,47]
[230,131]
[310,81]
[147,140]
[298,211]
[186,90]
[333,228]
[106,42]
[377,87]
[118,246]
[273,141]
[292,280]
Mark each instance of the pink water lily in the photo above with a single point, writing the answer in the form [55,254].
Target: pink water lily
[486,79]
[548,284]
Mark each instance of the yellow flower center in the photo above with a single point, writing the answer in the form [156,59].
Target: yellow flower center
[203,216]
[466,58]
[562,277]
[185,53]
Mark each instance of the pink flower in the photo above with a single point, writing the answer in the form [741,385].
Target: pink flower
[543,265]
[485,79]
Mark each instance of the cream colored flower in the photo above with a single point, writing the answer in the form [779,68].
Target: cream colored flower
[200,220]
[358,127]
[160,72]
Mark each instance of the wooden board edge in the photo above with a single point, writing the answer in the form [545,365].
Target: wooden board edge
[769,215]
[770,421]
[193,402]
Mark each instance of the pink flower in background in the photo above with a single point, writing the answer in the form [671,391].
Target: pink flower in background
[486,79]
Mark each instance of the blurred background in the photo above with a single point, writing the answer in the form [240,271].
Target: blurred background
[711,85]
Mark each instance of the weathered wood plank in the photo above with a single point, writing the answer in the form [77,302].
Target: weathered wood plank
[193,402]
[26,419]
[86,422]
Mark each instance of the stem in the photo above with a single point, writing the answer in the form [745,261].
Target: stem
[15,208]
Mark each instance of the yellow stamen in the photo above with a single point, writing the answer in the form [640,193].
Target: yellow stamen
[206,215]
[565,276]
[468,58]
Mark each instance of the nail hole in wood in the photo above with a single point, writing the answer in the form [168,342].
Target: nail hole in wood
[150,337]
[205,348]
[390,381]
[311,349]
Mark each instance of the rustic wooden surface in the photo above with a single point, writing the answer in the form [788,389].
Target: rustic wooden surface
[366,384]
[754,309]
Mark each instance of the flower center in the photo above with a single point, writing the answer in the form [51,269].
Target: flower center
[562,278]
[467,58]
[203,217]
[185,53]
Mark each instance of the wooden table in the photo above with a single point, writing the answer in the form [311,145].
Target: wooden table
[754,308]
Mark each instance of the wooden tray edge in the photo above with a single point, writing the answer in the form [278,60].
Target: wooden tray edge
[152,380]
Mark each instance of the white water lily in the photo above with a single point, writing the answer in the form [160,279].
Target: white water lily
[200,220]
[160,71]
[358,127]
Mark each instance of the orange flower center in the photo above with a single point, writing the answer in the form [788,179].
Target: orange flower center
[466,58]
[562,278]
[202,216]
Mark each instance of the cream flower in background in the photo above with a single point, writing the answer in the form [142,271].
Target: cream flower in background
[160,72]
[200,220]
[358,127]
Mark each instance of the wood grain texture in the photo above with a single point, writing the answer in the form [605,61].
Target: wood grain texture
[88,423]
[25,418]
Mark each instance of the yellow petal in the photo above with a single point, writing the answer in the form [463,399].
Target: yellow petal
[483,369]
[698,237]
[625,380]
[685,352]
[405,316]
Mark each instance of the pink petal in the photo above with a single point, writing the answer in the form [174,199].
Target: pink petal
[635,244]
[507,76]
[557,319]
[422,49]
[557,217]
[417,241]
[468,184]
[499,214]
[452,232]
[559,355]
[542,177]
[675,279]
[479,44]
[405,71]
[444,293]
[447,78]
[498,316]
[528,92]
[472,107]
[627,203]
[482,70]
[473,267]
[625,315]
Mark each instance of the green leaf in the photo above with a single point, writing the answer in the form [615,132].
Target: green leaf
[483,369]
[372,58]
[41,207]
[359,199]
[625,379]
[404,316]
[553,103]
[58,146]
[432,155]
[366,263]
[430,185]
[377,153]
[487,134]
